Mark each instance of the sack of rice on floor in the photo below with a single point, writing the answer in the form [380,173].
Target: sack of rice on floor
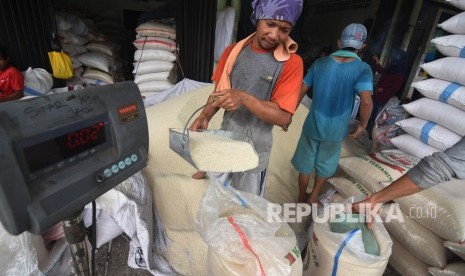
[241,240]
[356,252]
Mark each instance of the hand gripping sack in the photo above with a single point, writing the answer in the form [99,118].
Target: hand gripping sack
[240,239]
[337,254]
[62,66]
[409,233]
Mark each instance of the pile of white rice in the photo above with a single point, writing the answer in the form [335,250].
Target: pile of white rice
[214,153]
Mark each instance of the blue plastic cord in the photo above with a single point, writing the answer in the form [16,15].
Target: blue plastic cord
[227,184]
[339,252]
[32,92]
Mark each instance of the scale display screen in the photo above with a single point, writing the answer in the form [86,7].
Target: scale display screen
[54,150]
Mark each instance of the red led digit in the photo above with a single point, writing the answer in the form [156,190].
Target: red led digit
[73,140]
[95,132]
[84,135]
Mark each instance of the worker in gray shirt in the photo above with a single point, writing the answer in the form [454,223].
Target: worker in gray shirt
[430,171]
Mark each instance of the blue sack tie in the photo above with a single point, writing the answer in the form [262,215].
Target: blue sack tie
[462,53]
[425,130]
[448,91]
[339,252]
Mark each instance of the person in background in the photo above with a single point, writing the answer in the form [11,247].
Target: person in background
[390,83]
[430,171]
[11,80]
[336,80]
[257,82]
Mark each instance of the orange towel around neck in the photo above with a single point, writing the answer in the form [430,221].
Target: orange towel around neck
[281,53]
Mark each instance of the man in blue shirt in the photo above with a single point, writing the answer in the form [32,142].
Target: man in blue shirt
[335,80]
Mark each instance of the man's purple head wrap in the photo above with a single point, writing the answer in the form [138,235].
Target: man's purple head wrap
[284,10]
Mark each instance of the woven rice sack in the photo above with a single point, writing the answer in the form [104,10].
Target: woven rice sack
[405,263]
[161,76]
[430,133]
[374,168]
[96,60]
[450,45]
[457,248]
[441,90]
[348,187]
[448,68]
[459,4]
[421,242]
[99,47]
[324,245]
[231,256]
[98,75]
[455,269]
[455,24]
[155,86]
[439,209]
[156,29]
[152,66]
[146,55]
[413,146]
[441,113]
[155,43]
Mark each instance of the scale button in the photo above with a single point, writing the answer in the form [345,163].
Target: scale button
[114,168]
[128,161]
[121,165]
[134,158]
[107,173]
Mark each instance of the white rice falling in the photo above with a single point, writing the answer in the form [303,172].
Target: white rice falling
[213,153]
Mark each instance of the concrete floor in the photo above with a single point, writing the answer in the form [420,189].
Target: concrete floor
[113,261]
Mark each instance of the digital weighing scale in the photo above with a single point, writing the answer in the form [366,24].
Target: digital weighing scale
[60,152]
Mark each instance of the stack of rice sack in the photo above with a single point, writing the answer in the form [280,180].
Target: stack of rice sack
[92,55]
[154,57]
[432,219]
[71,34]
[177,195]
[438,118]
[433,223]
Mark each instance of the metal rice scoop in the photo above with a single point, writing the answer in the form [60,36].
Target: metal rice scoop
[179,138]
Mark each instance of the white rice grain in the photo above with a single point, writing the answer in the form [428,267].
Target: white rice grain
[213,153]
